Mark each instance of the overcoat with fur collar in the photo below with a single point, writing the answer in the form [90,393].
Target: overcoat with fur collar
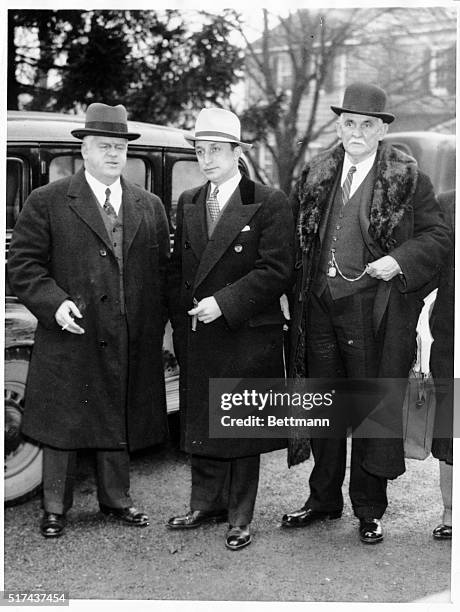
[246,265]
[403,220]
[61,250]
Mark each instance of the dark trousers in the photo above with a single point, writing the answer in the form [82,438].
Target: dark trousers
[341,344]
[226,484]
[59,471]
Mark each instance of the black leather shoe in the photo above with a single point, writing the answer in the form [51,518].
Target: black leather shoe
[195,518]
[52,525]
[442,532]
[306,516]
[370,531]
[238,537]
[129,515]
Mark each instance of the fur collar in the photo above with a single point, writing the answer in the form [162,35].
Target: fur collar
[395,184]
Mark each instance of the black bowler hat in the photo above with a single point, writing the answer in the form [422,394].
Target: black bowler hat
[104,120]
[364,99]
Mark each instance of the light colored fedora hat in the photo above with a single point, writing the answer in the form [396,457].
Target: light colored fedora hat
[218,125]
[104,120]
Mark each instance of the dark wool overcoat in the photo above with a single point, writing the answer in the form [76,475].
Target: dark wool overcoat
[61,250]
[442,350]
[404,220]
[246,265]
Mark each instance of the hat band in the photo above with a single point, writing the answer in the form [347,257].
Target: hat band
[198,135]
[106,126]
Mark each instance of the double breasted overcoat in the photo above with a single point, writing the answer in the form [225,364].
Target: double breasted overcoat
[402,219]
[246,265]
[61,250]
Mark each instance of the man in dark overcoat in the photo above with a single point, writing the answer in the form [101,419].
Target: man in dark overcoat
[88,257]
[231,263]
[370,238]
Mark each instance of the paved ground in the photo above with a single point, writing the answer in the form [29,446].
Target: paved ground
[99,559]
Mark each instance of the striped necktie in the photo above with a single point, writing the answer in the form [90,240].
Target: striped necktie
[213,204]
[347,184]
[109,209]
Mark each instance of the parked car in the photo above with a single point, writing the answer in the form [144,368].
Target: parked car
[40,149]
[434,152]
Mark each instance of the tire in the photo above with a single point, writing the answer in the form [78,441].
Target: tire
[23,459]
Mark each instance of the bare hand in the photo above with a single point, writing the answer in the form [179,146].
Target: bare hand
[384,268]
[207,310]
[64,316]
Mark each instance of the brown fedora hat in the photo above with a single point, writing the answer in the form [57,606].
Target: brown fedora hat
[364,99]
[104,120]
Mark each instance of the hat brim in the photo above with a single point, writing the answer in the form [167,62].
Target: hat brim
[244,145]
[385,117]
[81,133]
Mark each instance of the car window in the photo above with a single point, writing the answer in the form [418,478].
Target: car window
[186,174]
[65,165]
[14,190]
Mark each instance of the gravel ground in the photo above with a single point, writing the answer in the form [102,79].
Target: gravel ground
[99,559]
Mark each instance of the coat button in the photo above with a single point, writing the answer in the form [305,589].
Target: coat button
[188,284]
[102,343]
[104,298]
[187,244]
[102,252]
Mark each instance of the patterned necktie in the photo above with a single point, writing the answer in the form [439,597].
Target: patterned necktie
[109,209]
[347,185]
[213,204]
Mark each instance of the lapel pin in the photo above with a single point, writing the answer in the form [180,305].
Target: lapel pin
[238,248]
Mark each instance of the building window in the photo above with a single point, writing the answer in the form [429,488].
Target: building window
[284,72]
[442,71]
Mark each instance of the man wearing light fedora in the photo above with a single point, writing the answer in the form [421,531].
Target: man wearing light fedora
[231,263]
[88,257]
[370,239]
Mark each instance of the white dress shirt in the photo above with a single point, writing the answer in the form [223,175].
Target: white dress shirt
[362,170]
[99,188]
[226,189]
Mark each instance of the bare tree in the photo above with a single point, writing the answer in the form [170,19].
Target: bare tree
[292,73]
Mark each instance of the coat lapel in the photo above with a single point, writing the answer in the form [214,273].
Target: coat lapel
[84,204]
[234,217]
[133,214]
[195,220]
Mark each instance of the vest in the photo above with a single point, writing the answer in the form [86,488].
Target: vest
[343,234]
[115,232]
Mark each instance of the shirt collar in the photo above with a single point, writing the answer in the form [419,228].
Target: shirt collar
[362,168]
[227,188]
[99,188]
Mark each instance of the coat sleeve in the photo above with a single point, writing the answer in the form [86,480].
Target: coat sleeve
[271,275]
[421,256]
[29,261]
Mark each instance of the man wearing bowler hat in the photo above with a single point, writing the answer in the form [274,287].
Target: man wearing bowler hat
[370,239]
[88,257]
[232,261]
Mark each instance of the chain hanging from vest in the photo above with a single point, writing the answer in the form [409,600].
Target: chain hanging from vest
[333,266]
